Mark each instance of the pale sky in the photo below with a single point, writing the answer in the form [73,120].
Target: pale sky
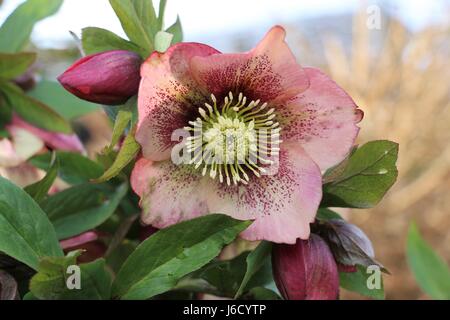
[203,17]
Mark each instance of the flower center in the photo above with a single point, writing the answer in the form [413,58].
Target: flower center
[234,140]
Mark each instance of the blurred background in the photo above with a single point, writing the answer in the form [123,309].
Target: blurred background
[393,57]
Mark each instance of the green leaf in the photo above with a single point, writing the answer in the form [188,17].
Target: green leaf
[255,260]
[138,19]
[32,110]
[261,293]
[74,168]
[96,40]
[75,199]
[120,125]
[119,255]
[327,214]
[220,278]
[5,116]
[16,30]
[163,41]
[39,190]
[430,270]
[50,283]
[14,65]
[73,211]
[127,153]
[78,200]
[29,297]
[96,281]
[232,278]
[368,174]
[56,97]
[26,234]
[182,249]
[191,285]
[161,15]
[177,30]
[147,15]
[357,282]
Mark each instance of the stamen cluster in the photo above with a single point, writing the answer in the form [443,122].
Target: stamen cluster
[235,139]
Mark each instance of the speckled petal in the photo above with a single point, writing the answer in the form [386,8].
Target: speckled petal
[169,193]
[283,205]
[168,96]
[323,119]
[269,72]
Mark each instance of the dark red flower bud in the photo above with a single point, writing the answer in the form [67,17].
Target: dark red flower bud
[109,78]
[306,270]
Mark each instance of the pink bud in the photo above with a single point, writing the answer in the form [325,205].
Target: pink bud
[306,270]
[109,78]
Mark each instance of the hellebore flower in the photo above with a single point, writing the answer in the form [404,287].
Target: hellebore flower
[26,141]
[109,78]
[257,130]
[306,270]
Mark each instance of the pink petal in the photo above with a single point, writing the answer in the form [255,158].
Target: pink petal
[167,97]
[54,140]
[282,205]
[8,154]
[22,175]
[79,240]
[25,143]
[324,119]
[269,72]
[169,193]
[286,203]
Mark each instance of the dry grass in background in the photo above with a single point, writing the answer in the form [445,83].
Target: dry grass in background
[403,88]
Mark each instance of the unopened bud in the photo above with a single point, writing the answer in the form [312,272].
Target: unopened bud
[306,270]
[109,78]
